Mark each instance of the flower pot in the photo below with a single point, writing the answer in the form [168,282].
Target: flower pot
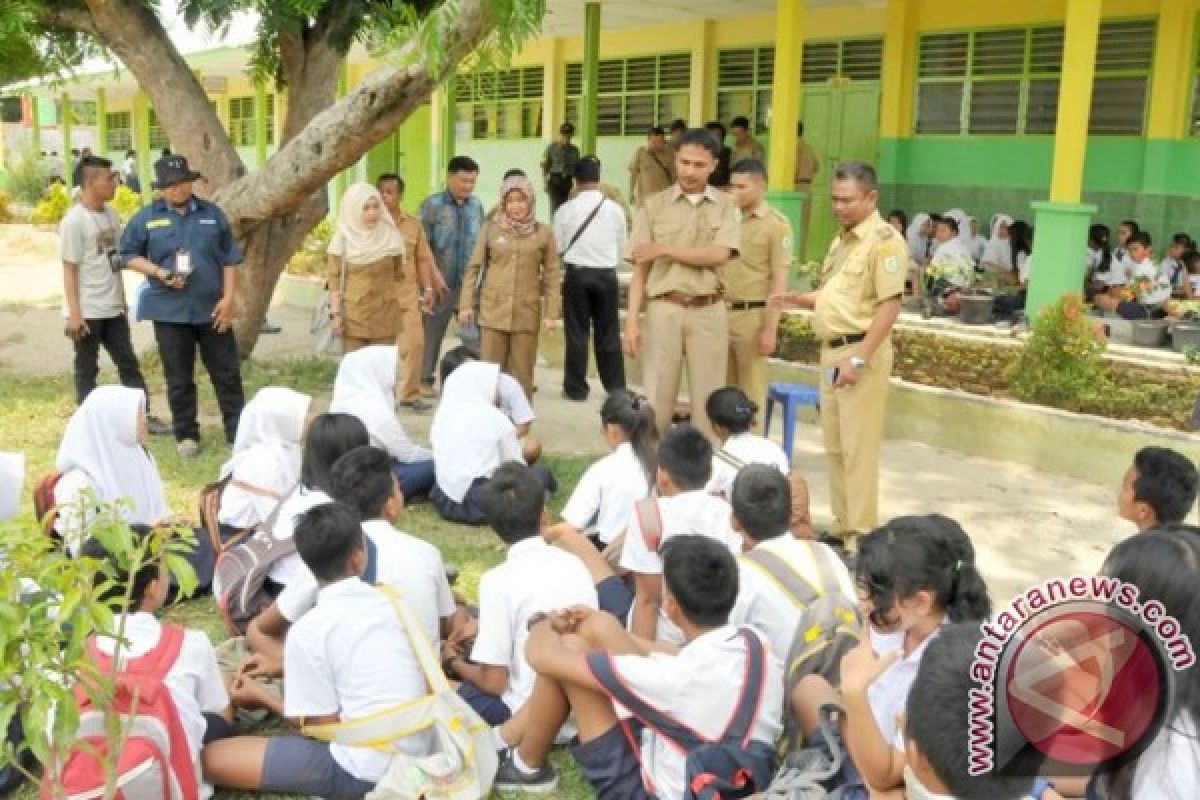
[976,309]
[1149,332]
[1185,335]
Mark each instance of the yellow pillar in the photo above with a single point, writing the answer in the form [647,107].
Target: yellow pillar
[896,97]
[65,120]
[1075,100]
[141,139]
[703,75]
[1171,79]
[553,90]
[786,93]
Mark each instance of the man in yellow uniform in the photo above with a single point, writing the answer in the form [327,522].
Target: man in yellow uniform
[652,167]
[682,238]
[807,165]
[417,287]
[759,271]
[744,144]
[862,281]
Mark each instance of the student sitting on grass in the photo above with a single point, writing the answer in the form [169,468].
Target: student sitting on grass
[1159,488]
[194,679]
[266,458]
[731,414]
[346,659]
[684,469]
[365,387]
[699,685]
[510,397]
[534,577]
[363,481]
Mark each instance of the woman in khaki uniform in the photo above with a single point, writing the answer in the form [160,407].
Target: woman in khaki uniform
[515,267]
[369,247]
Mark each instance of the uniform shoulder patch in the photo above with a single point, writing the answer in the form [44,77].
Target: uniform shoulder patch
[885,232]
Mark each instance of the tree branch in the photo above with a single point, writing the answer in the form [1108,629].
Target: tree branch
[72,19]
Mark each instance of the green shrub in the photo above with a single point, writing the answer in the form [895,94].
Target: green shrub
[310,258]
[6,212]
[26,179]
[1061,364]
[126,202]
[52,207]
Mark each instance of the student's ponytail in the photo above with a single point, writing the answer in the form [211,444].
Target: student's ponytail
[967,597]
[634,415]
[730,408]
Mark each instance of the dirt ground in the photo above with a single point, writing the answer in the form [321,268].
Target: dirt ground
[1027,525]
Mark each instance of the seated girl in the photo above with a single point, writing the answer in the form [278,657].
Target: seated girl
[997,256]
[472,437]
[365,387]
[731,414]
[266,459]
[103,458]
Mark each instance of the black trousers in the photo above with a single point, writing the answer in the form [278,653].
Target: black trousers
[177,344]
[558,187]
[113,335]
[590,301]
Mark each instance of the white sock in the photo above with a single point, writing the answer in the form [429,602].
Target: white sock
[498,738]
[521,766]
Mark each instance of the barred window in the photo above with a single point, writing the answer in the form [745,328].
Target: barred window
[119,134]
[242,130]
[505,104]
[633,94]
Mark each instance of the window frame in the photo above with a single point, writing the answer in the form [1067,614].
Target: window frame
[658,95]
[121,145]
[479,100]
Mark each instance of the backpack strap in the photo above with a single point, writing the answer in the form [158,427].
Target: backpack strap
[737,732]
[155,663]
[728,458]
[649,517]
[252,489]
[800,589]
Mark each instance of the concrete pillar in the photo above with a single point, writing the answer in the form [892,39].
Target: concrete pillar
[896,92]
[785,116]
[591,78]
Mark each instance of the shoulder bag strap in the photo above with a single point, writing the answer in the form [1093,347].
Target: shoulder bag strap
[252,489]
[799,590]
[416,638]
[650,521]
[579,231]
[269,523]
[666,170]
[742,722]
[729,458]
[684,739]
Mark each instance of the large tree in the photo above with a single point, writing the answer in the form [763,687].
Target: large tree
[301,46]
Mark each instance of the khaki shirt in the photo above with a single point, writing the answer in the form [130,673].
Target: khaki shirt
[370,304]
[521,272]
[866,265]
[766,248]
[416,254]
[671,218]
[752,149]
[807,164]
[650,172]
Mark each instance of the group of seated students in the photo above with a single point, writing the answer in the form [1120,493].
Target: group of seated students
[1126,280]
[672,562]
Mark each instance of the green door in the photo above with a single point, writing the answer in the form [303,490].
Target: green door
[406,153]
[842,124]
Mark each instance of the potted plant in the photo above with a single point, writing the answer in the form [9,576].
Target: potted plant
[976,305]
[1185,324]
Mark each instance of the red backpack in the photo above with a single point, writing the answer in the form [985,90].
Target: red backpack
[156,761]
[44,503]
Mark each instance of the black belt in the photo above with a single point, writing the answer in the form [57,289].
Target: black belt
[842,341]
[569,265]
[747,305]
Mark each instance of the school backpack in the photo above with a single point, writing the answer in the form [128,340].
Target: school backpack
[240,578]
[816,772]
[210,507]
[731,766]
[155,761]
[44,505]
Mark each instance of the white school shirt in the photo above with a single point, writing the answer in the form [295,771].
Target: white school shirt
[72,518]
[690,512]
[512,400]
[1024,264]
[954,253]
[749,448]
[699,687]
[888,695]
[411,566]
[292,568]
[535,577]
[194,680]
[351,656]
[602,243]
[1160,291]
[603,499]
[1120,267]
[1169,769]
[763,604]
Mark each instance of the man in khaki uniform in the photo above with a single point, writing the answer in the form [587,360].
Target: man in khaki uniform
[419,270]
[652,167]
[759,271]
[683,236]
[807,165]
[861,285]
[744,144]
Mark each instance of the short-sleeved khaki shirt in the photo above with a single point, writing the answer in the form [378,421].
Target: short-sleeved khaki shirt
[766,247]
[672,218]
[866,265]
[651,171]
[416,253]
[752,149]
[807,164]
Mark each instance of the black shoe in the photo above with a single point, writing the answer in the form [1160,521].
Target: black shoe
[511,779]
[267,327]
[418,406]
[573,399]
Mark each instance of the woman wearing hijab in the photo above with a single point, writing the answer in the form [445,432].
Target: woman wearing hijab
[266,458]
[364,388]
[103,457]
[964,227]
[471,437]
[998,254]
[366,257]
[978,241]
[512,273]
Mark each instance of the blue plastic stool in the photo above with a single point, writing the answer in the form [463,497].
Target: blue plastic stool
[793,396]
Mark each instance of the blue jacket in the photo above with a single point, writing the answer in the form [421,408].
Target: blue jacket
[452,228]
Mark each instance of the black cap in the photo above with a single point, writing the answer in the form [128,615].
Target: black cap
[658,130]
[172,170]
[567,128]
[587,170]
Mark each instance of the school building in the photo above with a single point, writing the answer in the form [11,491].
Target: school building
[1056,111]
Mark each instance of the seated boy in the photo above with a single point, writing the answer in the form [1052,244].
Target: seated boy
[699,686]
[346,659]
[684,469]
[363,480]
[194,680]
[534,577]
[1150,287]
[510,398]
[1159,488]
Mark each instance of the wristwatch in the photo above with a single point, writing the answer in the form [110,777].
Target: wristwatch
[857,362]
[1039,787]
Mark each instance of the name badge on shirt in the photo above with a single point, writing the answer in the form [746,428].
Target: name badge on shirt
[158,223]
[183,262]
[208,222]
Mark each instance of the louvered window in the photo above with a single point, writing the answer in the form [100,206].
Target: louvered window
[242,129]
[633,94]
[1124,55]
[120,130]
[503,104]
[158,136]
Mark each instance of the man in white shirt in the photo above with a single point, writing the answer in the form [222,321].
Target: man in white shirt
[1120,271]
[591,230]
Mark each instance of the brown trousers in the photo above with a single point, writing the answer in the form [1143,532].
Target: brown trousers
[516,353]
[410,350]
[747,369]
[675,335]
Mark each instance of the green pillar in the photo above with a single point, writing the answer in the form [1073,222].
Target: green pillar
[339,183]
[591,77]
[102,124]
[448,121]
[260,123]
[1058,262]
[791,205]
[68,160]
[35,132]
[141,140]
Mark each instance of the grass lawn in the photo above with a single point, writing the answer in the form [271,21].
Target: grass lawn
[33,414]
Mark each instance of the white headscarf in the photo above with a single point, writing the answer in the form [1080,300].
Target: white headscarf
[964,226]
[365,386]
[12,478]
[918,243]
[470,436]
[978,240]
[353,241]
[998,251]
[101,440]
[270,428]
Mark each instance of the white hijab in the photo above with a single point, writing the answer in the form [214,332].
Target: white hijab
[353,241]
[365,387]
[12,478]
[271,425]
[101,440]
[918,242]
[998,251]
[468,430]
[964,226]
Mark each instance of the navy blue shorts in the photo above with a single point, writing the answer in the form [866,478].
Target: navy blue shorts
[611,764]
[299,765]
[614,596]
[491,708]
